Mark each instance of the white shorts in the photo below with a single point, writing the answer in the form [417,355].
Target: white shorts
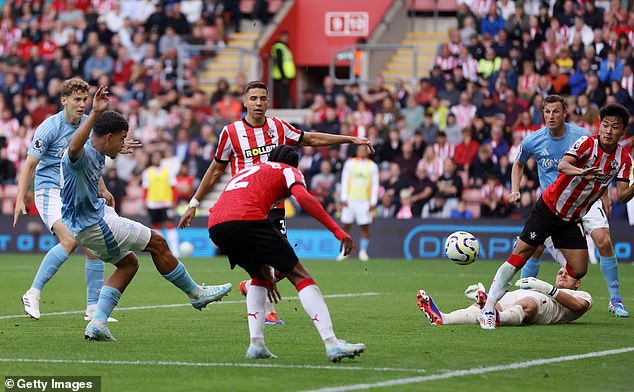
[49,206]
[596,218]
[114,237]
[357,211]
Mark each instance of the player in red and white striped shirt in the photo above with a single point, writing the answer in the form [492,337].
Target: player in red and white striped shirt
[249,141]
[586,171]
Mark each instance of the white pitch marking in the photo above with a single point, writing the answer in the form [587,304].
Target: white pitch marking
[179,305]
[470,372]
[205,364]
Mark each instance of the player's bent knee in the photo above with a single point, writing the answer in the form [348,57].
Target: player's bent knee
[529,307]
[157,244]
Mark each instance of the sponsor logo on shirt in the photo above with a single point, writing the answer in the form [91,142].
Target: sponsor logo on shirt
[254,152]
[37,145]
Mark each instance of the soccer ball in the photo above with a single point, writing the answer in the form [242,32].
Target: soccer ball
[462,247]
[186,248]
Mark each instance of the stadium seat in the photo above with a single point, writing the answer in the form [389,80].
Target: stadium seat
[474,208]
[430,5]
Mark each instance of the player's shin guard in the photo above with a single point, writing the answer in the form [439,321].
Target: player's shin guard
[181,279]
[512,316]
[53,259]
[94,280]
[501,281]
[256,298]
[531,268]
[610,269]
[315,306]
[108,299]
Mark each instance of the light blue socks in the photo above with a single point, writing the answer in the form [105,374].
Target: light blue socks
[181,279]
[531,268]
[364,243]
[94,280]
[53,259]
[108,299]
[610,270]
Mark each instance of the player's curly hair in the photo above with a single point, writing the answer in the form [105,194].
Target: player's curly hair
[110,122]
[74,85]
[284,154]
[615,110]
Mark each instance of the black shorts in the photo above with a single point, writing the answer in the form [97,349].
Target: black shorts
[543,223]
[276,215]
[250,244]
[158,215]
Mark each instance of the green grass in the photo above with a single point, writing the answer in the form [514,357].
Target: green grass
[389,323]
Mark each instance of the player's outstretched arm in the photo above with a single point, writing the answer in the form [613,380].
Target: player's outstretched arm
[516,177]
[312,206]
[26,175]
[105,193]
[317,139]
[577,305]
[99,105]
[567,167]
[212,175]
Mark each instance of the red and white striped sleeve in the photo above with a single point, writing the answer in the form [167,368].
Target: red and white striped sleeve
[582,147]
[292,135]
[223,153]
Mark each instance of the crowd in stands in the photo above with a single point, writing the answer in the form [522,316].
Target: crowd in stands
[445,150]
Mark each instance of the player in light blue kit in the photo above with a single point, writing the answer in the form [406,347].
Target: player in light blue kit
[49,143]
[548,145]
[97,226]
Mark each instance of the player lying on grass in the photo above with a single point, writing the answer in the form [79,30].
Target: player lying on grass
[253,242]
[539,303]
[586,171]
[98,227]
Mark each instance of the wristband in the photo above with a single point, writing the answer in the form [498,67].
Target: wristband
[194,203]
[553,293]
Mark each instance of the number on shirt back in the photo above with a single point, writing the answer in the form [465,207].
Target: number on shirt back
[237,182]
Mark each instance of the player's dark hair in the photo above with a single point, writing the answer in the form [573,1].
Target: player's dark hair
[615,110]
[554,98]
[255,84]
[284,154]
[110,122]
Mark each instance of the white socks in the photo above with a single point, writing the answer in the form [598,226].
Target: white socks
[315,306]
[512,316]
[499,287]
[461,316]
[255,314]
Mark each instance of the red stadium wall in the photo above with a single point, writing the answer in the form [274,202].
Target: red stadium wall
[306,24]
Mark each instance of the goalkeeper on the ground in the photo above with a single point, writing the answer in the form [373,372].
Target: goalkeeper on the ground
[536,302]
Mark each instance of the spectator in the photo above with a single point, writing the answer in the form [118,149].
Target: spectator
[493,202]
[449,187]
[595,92]
[489,64]
[558,80]
[395,182]
[98,64]
[375,95]
[611,69]
[461,211]
[482,166]
[466,151]
[492,23]
[169,40]
[405,209]
[453,131]
[7,168]
[116,186]
[387,207]
[581,30]
[414,114]
[465,111]
[422,190]
[407,160]
[425,92]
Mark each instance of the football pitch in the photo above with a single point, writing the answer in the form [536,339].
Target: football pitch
[165,345]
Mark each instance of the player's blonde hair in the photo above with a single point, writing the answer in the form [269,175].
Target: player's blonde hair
[74,85]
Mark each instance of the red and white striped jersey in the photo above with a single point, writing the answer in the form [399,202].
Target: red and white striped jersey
[244,145]
[255,190]
[570,197]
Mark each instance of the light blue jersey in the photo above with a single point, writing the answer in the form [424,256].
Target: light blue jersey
[548,150]
[50,141]
[81,205]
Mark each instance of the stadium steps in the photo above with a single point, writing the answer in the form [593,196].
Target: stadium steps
[400,65]
[227,60]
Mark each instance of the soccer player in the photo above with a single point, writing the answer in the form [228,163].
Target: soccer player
[586,171]
[252,241]
[98,227]
[249,141]
[359,195]
[43,162]
[158,192]
[548,146]
[541,303]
